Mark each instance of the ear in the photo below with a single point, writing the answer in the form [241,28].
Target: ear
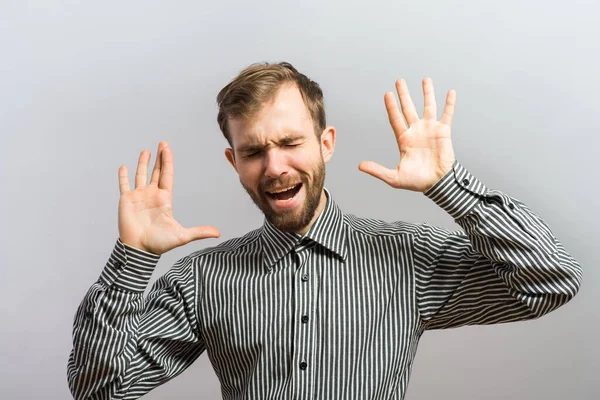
[230,157]
[327,143]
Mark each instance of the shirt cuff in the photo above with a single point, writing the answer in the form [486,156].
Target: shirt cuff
[457,192]
[129,268]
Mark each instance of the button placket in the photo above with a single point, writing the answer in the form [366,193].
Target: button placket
[303,295]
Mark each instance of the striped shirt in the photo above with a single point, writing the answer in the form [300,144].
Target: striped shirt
[334,314]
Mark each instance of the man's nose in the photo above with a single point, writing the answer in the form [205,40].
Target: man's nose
[275,163]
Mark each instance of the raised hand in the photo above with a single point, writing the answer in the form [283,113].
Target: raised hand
[426,152]
[146,213]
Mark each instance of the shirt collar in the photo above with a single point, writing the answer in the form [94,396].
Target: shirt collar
[328,231]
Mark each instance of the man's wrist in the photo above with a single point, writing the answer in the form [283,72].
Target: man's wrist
[457,192]
[129,268]
[137,246]
[443,171]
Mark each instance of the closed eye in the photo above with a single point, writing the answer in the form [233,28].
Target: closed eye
[252,154]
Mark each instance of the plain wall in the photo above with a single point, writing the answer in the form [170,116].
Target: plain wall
[85,86]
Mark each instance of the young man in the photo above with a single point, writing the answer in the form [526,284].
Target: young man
[315,303]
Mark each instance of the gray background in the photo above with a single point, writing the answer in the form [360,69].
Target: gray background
[86,85]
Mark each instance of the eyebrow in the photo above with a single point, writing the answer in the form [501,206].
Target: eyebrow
[248,148]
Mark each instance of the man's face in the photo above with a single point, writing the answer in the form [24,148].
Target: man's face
[281,161]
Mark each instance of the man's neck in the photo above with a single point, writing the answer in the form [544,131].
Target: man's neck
[318,211]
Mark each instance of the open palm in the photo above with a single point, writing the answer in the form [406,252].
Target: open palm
[146,213]
[425,146]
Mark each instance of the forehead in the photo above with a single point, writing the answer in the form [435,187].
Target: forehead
[285,115]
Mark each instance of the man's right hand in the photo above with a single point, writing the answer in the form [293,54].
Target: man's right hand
[146,213]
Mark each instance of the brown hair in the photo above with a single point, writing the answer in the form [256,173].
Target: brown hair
[257,84]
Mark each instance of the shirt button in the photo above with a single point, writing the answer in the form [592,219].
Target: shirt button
[118,264]
[305,278]
[465,182]
[303,365]
[511,206]
[304,319]
[89,314]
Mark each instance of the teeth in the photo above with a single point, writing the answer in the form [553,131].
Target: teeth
[282,190]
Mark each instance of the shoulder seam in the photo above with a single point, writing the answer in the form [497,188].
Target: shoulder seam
[392,228]
[228,245]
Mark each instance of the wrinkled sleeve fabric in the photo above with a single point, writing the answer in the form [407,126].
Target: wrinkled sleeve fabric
[125,345]
[505,266]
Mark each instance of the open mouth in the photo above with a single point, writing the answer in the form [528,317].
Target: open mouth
[284,194]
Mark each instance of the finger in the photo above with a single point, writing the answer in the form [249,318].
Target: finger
[430,109]
[378,171]
[165,181]
[408,108]
[141,174]
[123,180]
[394,115]
[201,232]
[449,108]
[157,164]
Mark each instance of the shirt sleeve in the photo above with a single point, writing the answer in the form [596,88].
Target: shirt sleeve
[506,265]
[125,345]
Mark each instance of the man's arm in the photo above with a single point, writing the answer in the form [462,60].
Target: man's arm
[506,266]
[124,346]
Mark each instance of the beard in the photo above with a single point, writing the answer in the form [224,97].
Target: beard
[291,220]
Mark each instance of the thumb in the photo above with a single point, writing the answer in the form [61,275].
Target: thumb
[379,172]
[201,232]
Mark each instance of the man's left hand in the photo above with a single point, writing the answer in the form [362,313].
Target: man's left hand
[425,146]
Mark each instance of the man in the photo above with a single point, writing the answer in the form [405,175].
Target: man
[315,303]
